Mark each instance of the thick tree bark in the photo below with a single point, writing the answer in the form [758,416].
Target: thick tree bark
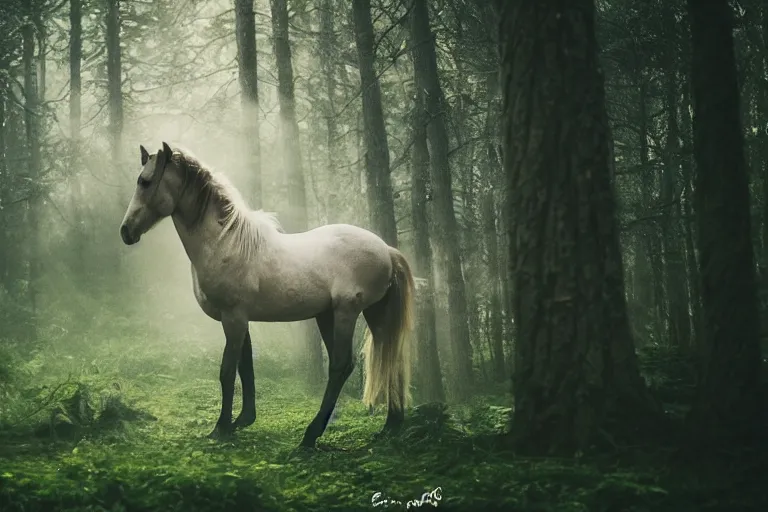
[430,380]
[446,232]
[576,371]
[729,401]
[296,218]
[245,28]
[114,79]
[381,207]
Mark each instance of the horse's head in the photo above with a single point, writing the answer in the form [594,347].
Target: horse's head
[154,198]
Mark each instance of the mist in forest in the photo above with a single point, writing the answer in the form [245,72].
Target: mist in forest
[187,95]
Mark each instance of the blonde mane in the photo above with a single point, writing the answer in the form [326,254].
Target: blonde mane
[247,228]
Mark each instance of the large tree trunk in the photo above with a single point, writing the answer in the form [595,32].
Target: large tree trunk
[429,375]
[576,372]
[245,29]
[728,401]
[446,233]
[296,218]
[378,183]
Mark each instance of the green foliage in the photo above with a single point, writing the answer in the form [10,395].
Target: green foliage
[126,431]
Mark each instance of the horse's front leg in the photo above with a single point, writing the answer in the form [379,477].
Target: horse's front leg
[245,369]
[235,329]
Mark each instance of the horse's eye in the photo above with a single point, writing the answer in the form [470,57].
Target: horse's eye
[143,183]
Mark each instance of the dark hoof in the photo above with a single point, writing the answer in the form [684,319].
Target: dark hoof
[244,420]
[308,444]
[221,433]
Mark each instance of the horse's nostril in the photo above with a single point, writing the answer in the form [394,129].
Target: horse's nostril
[124,234]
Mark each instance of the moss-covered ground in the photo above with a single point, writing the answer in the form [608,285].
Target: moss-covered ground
[126,430]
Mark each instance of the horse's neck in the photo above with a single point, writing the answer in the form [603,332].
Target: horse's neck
[204,239]
[197,237]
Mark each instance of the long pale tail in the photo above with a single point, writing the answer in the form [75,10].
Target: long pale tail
[387,344]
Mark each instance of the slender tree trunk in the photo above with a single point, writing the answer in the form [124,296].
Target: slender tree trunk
[497,274]
[75,125]
[16,152]
[694,279]
[245,27]
[729,401]
[4,180]
[650,238]
[507,286]
[32,122]
[679,325]
[643,273]
[297,202]
[446,233]
[328,45]
[430,384]
[114,79]
[111,252]
[763,139]
[297,219]
[576,372]
[496,325]
[75,60]
[379,184]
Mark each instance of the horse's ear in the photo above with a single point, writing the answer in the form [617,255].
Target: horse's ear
[144,155]
[168,152]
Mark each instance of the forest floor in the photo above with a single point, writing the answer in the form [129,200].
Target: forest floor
[129,433]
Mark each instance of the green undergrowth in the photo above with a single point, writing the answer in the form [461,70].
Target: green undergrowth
[126,430]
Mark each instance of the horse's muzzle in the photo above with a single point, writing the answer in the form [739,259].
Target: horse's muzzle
[125,234]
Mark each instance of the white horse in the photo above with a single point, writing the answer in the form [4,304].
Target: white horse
[244,268]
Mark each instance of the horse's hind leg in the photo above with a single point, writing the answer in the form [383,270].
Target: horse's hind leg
[245,369]
[337,330]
